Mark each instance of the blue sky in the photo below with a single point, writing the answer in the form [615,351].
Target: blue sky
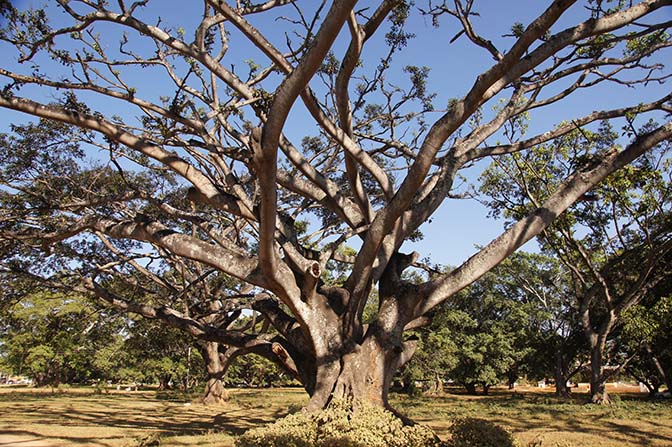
[459,225]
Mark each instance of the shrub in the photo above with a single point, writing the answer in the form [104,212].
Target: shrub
[148,440]
[474,432]
[340,425]
[295,430]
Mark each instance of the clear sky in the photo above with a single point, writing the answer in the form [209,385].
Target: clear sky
[459,225]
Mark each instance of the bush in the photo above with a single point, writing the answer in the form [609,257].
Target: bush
[340,425]
[148,440]
[295,430]
[474,432]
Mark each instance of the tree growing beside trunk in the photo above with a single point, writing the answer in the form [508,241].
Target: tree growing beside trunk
[615,242]
[553,338]
[647,333]
[282,131]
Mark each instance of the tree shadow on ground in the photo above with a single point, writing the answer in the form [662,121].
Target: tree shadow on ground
[111,420]
[107,420]
[632,420]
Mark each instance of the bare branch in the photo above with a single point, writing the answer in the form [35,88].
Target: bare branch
[534,223]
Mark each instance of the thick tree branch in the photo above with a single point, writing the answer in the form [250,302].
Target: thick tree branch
[171,160]
[227,261]
[571,190]
[359,35]
[486,86]
[266,155]
[353,151]
[174,318]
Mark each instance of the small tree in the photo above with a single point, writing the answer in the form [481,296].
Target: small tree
[434,359]
[647,333]
[615,242]
[490,332]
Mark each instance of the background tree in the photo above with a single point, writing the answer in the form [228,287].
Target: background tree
[181,294]
[256,371]
[615,242]
[647,332]
[207,172]
[155,354]
[433,361]
[553,338]
[485,335]
[56,339]
[489,327]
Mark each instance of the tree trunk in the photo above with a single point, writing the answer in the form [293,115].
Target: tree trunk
[358,371]
[215,393]
[561,388]
[665,374]
[642,380]
[40,379]
[652,385]
[438,383]
[560,377]
[597,343]
[512,376]
[667,377]
[332,352]
[598,393]
[365,373]
[164,382]
[355,361]
[598,389]
[471,388]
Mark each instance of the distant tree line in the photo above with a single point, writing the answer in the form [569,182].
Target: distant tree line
[520,322]
[65,339]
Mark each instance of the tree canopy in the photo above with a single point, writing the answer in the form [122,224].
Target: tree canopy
[124,181]
[615,242]
[57,339]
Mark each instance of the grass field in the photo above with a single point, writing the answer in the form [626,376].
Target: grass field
[80,417]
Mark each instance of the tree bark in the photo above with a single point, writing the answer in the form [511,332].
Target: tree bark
[215,392]
[364,372]
[598,388]
[560,377]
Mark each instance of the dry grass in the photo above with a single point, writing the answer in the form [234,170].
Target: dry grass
[79,417]
[73,417]
[539,419]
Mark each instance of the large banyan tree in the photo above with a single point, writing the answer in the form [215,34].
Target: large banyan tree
[257,140]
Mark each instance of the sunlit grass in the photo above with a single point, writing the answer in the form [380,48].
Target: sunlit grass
[80,417]
[534,416]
